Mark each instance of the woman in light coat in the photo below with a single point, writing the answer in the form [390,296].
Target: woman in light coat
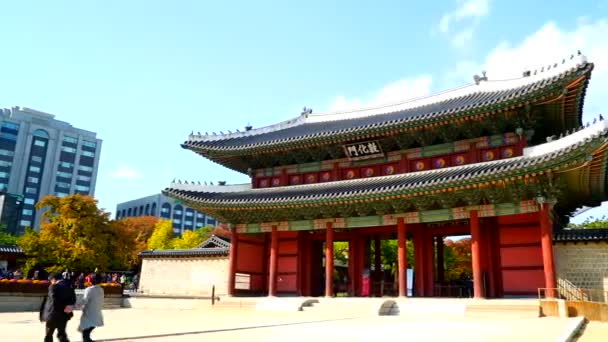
[91,310]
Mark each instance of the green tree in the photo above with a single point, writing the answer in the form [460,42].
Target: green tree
[6,238]
[161,236]
[74,234]
[341,252]
[591,223]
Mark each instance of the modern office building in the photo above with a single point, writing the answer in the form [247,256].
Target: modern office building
[182,216]
[11,206]
[42,156]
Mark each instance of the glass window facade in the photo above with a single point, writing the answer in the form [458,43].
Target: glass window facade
[37,157]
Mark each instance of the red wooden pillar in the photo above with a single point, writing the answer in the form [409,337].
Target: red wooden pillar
[476,255]
[273,264]
[352,252]
[401,257]
[429,269]
[234,242]
[418,263]
[440,266]
[329,260]
[546,239]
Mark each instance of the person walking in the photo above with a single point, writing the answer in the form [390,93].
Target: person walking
[56,309]
[92,302]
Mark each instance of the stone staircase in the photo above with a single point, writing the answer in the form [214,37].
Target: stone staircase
[517,308]
[344,307]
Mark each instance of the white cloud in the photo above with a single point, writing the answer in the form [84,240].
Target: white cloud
[460,24]
[125,172]
[399,91]
[548,45]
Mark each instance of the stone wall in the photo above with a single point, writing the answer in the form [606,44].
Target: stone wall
[584,265]
[184,276]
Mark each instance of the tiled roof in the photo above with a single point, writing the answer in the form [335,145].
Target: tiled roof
[213,246]
[572,235]
[185,252]
[540,157]
[345,124]
[216,241]
[10,249]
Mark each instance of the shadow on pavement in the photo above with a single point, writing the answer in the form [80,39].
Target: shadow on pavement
[221,330]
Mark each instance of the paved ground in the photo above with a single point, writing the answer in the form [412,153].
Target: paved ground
[230,324]
[595,332]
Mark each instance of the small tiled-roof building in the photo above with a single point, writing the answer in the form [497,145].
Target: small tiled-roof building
[9,255]
[186,272]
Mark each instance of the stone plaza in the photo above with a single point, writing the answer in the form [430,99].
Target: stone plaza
[164,319]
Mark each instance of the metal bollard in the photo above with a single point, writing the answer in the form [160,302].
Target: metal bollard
[213,295]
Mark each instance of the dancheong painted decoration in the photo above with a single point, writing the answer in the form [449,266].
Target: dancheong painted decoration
[505,162]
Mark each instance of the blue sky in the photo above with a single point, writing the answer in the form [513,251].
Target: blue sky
[144,74]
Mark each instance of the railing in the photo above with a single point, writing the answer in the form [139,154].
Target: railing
[455,291]
[568,290]
[574,294]
[567,302]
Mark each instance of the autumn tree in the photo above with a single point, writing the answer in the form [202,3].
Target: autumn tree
[189,239]
[74,234]
[161,236]
[457,259]
[130,236]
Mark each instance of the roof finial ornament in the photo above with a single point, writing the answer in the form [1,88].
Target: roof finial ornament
[578,52]
[222,133]
[526,73]
[248,127]
[179,181]
[206,133]
[587,124]
[191,132]
[601,117]
[173,181]
[214,133]
[478,79]
[594,120]
[237,130]
[561,135]
[229,132]
[205,182]
[210,183]
[306,111]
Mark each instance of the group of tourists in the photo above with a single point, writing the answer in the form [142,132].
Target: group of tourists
[78,280]
[10,274]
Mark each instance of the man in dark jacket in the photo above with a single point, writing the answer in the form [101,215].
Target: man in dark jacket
[56,308]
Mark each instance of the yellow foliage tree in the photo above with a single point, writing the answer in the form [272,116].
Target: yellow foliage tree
[74,234]
[161,236]
[189,239]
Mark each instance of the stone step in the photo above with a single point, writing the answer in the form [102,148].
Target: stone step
[512,310]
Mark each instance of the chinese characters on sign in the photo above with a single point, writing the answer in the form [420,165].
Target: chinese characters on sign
[363,150]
